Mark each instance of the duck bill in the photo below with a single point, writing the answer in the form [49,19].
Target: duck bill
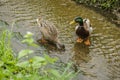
[72,22]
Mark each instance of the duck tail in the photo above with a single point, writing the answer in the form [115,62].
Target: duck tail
[38,22]
[60,46]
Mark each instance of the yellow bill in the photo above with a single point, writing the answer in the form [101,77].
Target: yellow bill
[72,22]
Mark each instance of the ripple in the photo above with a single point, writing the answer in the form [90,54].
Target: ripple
[104,53]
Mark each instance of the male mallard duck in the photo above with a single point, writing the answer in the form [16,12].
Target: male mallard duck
[49,33]
[83,29]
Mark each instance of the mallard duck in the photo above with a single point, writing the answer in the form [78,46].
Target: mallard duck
[49,33]
[83,30]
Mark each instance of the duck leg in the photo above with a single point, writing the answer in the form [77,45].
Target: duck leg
[79,40]
[87,42]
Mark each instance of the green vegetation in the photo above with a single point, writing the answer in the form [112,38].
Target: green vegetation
[103,4]
[24,67]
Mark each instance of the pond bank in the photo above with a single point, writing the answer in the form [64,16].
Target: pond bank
[107,9]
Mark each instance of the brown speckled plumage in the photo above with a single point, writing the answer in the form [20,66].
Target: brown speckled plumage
[49,32]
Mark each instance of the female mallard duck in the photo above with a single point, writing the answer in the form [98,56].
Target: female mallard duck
[49,33]
[83,29]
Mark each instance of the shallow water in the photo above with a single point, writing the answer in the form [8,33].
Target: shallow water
[100,61]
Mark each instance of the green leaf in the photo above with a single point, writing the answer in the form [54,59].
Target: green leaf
[28,40]
[34,45]
[49,59]
[28,35]
[19,76]
[24,53]
[55,73]
[38,59]
[23,64]
[38,62]
[67,68]
[1,63]
[69,75]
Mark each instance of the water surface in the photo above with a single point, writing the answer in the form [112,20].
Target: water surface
[100,61]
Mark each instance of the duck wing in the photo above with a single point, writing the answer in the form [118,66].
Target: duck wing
[53,30]
[87,25]
[49,31]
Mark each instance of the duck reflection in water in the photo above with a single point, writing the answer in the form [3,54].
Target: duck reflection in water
[81,54]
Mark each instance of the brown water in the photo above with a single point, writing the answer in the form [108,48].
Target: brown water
[100,61]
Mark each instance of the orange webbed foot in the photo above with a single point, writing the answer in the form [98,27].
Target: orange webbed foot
[87,42]
[79,40]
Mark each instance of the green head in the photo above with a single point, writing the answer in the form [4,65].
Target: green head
[79,20]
